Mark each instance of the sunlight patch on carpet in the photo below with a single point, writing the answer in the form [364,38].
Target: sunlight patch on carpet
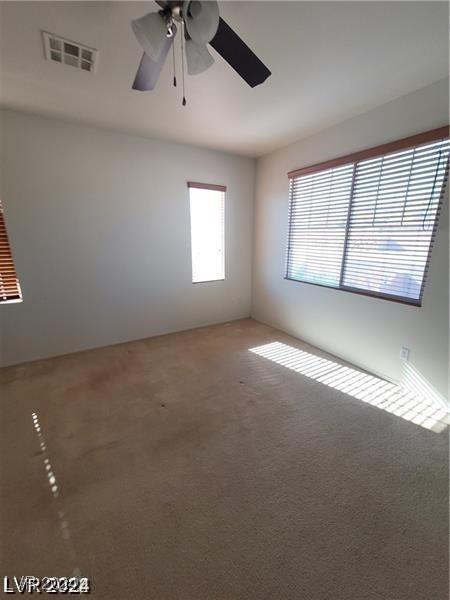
[422,410]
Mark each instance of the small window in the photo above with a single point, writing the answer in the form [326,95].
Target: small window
[9,284]
[365,223]
[207,209]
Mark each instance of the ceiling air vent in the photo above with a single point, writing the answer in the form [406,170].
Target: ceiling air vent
[70,53]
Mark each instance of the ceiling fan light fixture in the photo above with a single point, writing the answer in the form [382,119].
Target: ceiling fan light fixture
[198,59]
[201,19]
[151,33]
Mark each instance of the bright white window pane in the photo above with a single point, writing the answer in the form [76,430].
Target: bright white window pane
[207,234]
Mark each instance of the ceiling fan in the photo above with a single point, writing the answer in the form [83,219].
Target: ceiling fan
[200,24]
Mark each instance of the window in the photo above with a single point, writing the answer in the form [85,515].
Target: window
[9,284]
[365,223]
[207,231]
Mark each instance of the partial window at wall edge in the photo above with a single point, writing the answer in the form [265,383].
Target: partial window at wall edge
[10,291]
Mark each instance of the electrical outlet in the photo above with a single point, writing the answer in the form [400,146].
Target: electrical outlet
[404,353]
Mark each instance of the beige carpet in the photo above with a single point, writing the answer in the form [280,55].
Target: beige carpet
[186,467]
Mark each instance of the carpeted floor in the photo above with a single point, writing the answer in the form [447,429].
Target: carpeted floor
[186,467]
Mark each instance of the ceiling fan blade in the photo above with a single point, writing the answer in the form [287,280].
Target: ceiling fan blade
[198,59]
[238,55]
[162,3]
[149,70]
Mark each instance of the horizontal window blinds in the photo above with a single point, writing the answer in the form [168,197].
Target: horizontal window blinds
[9,284]
[392,221]
[317,220]
[368,225]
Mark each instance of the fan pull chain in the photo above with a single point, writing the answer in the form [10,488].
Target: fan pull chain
[174,69]
[183,49]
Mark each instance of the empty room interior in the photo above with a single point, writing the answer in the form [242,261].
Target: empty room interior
[224,300]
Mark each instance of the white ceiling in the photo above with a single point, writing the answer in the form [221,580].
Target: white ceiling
[329,62]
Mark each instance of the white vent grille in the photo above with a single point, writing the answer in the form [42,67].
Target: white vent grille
[60,50]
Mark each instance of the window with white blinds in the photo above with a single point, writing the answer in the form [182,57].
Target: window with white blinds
[207,211]
[366,223]
[9,283]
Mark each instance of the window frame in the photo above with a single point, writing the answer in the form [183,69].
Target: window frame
[441,133]
[214,188]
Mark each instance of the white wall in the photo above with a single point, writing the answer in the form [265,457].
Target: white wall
[99,227]
[365,331]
